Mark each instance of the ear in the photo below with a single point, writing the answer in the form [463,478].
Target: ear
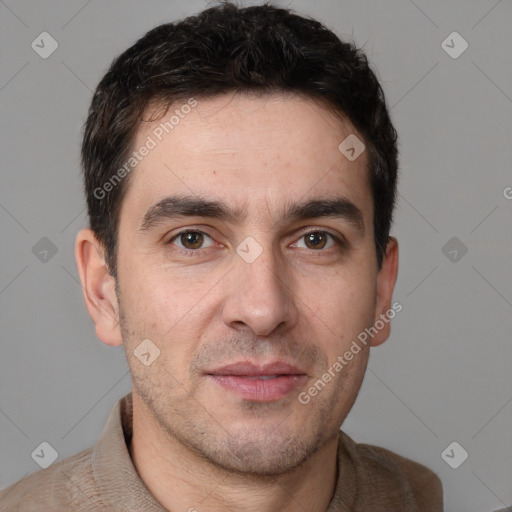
[98,287]
[386,279]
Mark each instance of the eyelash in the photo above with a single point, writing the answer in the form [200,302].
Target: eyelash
[189,252]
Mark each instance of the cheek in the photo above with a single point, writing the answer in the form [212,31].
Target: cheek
[343,307]
[153,296]
[165,309]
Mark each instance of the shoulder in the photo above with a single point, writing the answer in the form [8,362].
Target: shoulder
[59,485]
[394,477]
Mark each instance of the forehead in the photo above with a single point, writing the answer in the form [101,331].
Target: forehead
[254,152]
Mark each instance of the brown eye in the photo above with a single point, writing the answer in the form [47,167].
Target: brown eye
[316,240]
[189,240]
[319,239]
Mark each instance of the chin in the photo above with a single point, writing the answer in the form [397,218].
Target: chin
[268,456]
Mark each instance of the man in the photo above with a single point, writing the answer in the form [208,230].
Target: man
[240,171]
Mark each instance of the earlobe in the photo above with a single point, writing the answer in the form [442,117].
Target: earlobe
[386,279]
[98,287]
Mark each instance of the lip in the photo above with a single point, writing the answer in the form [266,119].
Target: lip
[261,383]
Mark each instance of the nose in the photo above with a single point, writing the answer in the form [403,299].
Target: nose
[258,296]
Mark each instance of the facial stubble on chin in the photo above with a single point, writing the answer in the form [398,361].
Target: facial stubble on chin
[190,423]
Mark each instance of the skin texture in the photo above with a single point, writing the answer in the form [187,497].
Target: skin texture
[196,444]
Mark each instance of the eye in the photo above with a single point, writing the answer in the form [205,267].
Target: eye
[190,239]
[318,239]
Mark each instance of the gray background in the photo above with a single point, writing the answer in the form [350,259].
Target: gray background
[445,373]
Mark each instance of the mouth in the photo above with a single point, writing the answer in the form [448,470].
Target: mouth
[260,383]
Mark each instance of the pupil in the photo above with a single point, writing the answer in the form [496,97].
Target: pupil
[313,237]
[193,239]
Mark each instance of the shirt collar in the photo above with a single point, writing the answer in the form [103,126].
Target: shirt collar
[113,470]
[119,483]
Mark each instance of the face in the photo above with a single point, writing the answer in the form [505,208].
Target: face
[252,299]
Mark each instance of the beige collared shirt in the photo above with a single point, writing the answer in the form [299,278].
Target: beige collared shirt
[103,478]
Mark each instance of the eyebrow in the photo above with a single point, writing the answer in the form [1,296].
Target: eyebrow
[174,207]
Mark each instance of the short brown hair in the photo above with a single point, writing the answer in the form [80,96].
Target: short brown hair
[224,49]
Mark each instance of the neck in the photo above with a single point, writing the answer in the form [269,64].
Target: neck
[182,480]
